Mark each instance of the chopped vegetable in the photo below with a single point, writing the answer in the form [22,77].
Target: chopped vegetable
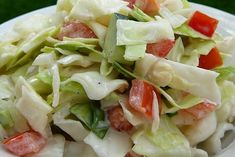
[141,97]
[76,29]
[161,48]
[211,61]
[92,116]
[25,143]
[203,23]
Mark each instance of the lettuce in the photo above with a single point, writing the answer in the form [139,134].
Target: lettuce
[54,147]
[6,88]
[172,5]
[92,117]
[97,86]
[166,141]
[5,119]
[134,33]
[194,80]
[75,149]
[176,20]
[30,102]
[200,130]
[213,144]
[185,30]
[15,117]
[107,147]
[225,73]
[75,59]
[89,10]
[3,134]
[72,127]
[177,51]
[109,101]
[105,68]
[7,53]
[89,41]
[134,52]
[140,15]
[226,112]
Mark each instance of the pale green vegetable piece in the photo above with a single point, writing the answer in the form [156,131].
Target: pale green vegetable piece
[97,86]
[134,52]
[185,30]
[200,130]
[190,79]
[107,147]
[89,10]
[176,20]
[166,141]
[226,112]
[177,51]
[72,127]
[105,68]
[75,59]
[140,15]
[81,149]
[213,144]
[54,147]
[30,102]
[133,33]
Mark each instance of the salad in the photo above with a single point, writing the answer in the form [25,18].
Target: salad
[116,78]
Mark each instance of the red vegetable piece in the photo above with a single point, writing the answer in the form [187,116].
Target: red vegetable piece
[212,60]
[25,143]
[76,29]
[117,119]
[203,23]
[161,48]
[141,97]
[199,111]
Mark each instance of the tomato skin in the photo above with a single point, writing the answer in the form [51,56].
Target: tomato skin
[25,143]
[117,119]
[148,6]
[211,61]
[203,23]
[199,111]
[161,48]
[141,97]
[76,29]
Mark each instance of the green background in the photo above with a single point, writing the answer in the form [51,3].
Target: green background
[13,8]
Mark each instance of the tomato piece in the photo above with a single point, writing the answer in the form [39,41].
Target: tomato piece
[203,23]
[141,97]
[212,60]
[132,154]
[161,48]
[199,111]
[117,119]
[25,143]
[147,6]
[131,3]
[76,29]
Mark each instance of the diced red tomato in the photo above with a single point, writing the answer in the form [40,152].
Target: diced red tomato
[132,154]
[161,48]
[25,143]
[199,111]
[131,3]
[203,23]
[141,97]
[117,119]
[76,29]
[212,60]
[147,6]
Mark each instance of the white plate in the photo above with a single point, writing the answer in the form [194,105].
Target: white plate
[226,28]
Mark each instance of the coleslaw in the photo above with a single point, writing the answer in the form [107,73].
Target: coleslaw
[119,78]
